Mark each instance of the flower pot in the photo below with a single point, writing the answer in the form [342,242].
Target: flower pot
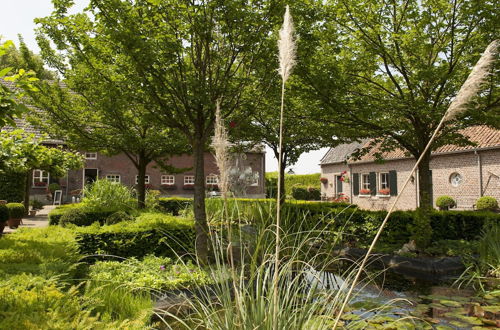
[32,213]
[14,223]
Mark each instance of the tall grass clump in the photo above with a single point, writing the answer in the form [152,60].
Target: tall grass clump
[107,195]
[308,296]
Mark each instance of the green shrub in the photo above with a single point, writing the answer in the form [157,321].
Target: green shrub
[28,302]
[107,195]
[36,204]
[53,187]
[487,203]
[45,252]
[421,228]
[4,213]
[489,251]
[16,210]
[445,202]
[152,273]
[151,233]
[152,199]
[12,187]
[118,217]
[56,214]
[84,217]
[174,205]
[300,193]
[291,181]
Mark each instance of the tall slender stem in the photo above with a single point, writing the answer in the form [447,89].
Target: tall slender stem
[278,210]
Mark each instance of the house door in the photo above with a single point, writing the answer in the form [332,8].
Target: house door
[338,185]
[90,175]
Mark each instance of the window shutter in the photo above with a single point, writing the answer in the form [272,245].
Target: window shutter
[393,183]
[355,184]
[373,183]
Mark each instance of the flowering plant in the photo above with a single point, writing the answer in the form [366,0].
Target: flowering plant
[384,191]
[340,198]
[365,191]
[324,180]
[40,184]
[344,177]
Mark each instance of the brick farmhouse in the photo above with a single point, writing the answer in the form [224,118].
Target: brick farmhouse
[462,172]
[119,168]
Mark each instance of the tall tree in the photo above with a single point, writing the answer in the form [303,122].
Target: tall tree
[97,108]
[184,54]
[25,59]
[389,70]
[22,153]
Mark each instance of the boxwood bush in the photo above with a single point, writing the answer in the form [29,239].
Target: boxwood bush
[151,233]
[16,210]
[174,205]
[445,202]
[84,217]
[4,213]
[487,203]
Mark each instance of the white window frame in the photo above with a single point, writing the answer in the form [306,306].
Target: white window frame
[168,180]
[115,178]
[146,179]
[380,181]
[90,155]
[43,176]
[188,179]
[456,183]
[212,179]
[361,183]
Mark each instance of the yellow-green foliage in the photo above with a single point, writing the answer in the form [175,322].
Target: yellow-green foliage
[296,180]
[44,252]
[28,302]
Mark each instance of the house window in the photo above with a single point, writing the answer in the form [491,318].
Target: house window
[146,179]
[40,178]
[91,155]
[383,181]
[456,179]
[115,178]
[189,179]
[212,179]
[364,184]
[167,179]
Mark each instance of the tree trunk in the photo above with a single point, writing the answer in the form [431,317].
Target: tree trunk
[201,225]
[27,190]
[424,182]
[141,186]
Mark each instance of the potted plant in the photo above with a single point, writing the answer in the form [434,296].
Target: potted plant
[384,192]
[445,202]
[4,216]
[35,206]
[40,184]
[365,192]
[16,213]
[324,180]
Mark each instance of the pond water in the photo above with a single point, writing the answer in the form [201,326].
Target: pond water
[390,297]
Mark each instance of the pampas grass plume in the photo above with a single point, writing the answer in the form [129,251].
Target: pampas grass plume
[476,79]
[287,47]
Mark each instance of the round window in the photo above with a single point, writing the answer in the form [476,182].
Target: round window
[456,179]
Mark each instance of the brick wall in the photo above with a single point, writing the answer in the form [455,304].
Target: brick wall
[122,165]
[442,166]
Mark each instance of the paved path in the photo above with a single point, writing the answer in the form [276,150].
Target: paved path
[38,221]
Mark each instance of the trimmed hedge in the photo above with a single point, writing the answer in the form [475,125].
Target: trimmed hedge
[16,210]
[306,193]
[174,205]
[487,203]
[4,213]
[291,181]
[151,233]
[12,187]
[77,214]
[84,217]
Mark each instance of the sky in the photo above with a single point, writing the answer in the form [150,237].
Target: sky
[18,16]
